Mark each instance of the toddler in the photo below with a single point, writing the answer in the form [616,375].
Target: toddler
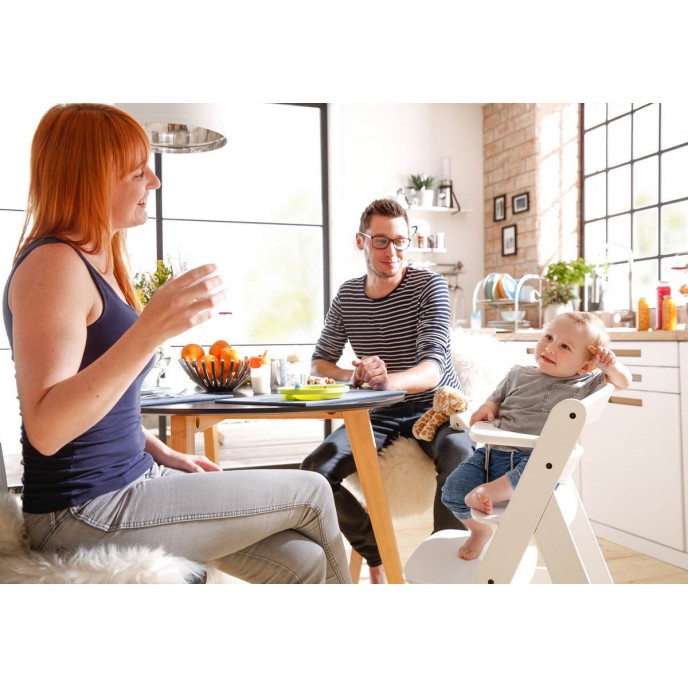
[572,360]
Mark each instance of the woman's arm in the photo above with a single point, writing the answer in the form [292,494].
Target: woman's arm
[53,300]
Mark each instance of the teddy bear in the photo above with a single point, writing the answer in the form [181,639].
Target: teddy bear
[447,402]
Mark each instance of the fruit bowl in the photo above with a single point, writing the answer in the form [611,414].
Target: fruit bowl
[217,379]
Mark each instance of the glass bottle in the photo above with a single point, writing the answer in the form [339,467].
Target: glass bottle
[662,290]
[668,314]
[643,315]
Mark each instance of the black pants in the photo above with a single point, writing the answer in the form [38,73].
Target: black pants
[334,460]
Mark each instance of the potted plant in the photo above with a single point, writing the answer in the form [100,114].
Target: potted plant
[564,278]
[145,283]
[422,183]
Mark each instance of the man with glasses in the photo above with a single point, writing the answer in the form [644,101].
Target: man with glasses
[396,319]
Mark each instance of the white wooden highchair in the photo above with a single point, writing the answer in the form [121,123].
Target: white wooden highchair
[543,522]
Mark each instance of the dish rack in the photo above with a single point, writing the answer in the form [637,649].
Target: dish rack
[480,302]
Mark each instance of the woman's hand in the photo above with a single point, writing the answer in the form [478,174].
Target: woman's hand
[182,303]
[164,456]
[189,463]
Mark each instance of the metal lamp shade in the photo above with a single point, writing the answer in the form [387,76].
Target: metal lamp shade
[179,127]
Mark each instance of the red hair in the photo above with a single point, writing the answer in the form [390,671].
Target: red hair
[76,153]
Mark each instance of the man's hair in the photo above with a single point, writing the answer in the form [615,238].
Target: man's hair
[385,207]
[593,324]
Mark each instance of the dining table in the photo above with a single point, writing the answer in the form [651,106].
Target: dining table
[190,414]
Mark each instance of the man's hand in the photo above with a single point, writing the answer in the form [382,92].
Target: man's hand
[370,370]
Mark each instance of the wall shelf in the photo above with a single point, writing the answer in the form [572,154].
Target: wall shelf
[414,249]
[437,209]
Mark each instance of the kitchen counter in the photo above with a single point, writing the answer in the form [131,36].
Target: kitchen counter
[620,334]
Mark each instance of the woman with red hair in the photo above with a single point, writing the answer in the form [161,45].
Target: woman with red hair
[82,345]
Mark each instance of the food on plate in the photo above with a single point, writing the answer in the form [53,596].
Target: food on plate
[313,380]
[684,288]
[192,352]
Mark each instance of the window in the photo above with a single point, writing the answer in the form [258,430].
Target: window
[635,195]
[255,208]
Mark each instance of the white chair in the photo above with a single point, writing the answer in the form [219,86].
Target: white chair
[543,522]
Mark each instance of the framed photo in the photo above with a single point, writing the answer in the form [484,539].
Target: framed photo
[499,208]
[509,240]
[520,203]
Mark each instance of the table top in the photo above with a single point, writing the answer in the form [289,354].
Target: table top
[274,404]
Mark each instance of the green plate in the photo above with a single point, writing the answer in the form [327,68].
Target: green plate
[313,392]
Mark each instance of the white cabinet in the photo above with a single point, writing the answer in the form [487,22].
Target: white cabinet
[630,473]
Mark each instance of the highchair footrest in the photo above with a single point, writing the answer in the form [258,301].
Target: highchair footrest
[436,560]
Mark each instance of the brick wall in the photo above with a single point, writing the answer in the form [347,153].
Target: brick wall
[531,147]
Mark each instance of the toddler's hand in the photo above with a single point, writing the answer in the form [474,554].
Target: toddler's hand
[604,358]
[482,414]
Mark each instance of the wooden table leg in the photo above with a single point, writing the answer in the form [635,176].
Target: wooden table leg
[211,444]
[362,441]
[183,434]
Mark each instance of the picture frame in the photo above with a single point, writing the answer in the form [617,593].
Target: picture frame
[499,208]
[520,203]
[509,245]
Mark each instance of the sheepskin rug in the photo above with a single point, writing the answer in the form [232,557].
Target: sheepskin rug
[107,564]
[481,361]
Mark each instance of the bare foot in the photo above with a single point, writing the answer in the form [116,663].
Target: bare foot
[377,574]
[479,499]
[474,545]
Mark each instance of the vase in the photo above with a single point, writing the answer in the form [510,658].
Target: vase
[427,197]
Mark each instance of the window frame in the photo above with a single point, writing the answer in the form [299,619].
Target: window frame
[660,204]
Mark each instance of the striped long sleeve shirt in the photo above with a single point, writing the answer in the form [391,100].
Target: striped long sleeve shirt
[404,328]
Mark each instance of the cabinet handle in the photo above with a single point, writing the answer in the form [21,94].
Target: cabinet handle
[628,353]
[626,401]
[530,350]
[636,377]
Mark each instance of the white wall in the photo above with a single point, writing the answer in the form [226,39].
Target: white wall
[374,148]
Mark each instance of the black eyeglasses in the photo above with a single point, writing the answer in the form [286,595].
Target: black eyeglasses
[378,241]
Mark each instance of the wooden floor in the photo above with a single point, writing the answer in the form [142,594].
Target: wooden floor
[625,565]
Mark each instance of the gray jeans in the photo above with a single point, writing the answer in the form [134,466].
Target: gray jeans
[263,526]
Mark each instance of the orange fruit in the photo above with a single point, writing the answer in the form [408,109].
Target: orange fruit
[229,354]
[258,361]
[216,348]
[192,352]
[209,360]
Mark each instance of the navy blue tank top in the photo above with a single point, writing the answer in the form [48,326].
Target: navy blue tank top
[108,456]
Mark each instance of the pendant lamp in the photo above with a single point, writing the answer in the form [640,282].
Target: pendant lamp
[179,127]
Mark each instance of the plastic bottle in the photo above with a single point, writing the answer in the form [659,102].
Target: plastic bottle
[643,315]
[668,313]
[662,290]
